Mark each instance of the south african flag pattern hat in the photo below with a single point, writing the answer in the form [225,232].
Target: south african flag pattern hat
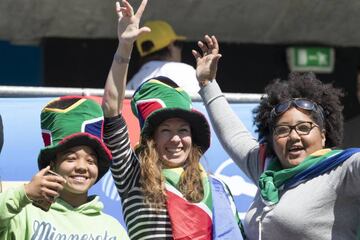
[159,99]
[72,121]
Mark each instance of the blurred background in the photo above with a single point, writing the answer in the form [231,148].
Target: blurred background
[71,43]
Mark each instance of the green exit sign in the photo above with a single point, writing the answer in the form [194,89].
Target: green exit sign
[315,59]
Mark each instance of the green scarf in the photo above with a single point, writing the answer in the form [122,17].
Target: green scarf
[273,179]
[172,177]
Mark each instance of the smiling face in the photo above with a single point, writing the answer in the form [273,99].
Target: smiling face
[294,148]
[78,166]
[173,142]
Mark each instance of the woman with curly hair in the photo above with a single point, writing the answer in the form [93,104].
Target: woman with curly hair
[165,192]
[307,188]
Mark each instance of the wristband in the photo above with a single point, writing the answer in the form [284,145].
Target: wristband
[205,82]
[120,59]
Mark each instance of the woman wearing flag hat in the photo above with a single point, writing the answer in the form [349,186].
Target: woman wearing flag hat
[307,188]
[165,192]
[55,203]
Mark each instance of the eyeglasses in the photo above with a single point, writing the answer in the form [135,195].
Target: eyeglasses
[302,128]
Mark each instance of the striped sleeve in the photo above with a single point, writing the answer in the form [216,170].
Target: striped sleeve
[125,166]
[143,222]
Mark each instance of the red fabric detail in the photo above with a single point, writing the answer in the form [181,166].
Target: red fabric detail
[98,140]
[196,111]
[188,221]
[132,122]
[146,108]
[46,138]
[70,97]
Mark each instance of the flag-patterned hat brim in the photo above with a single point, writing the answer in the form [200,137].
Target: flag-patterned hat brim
[200,129]
[48,154]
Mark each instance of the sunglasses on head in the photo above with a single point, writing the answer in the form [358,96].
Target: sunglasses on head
[300,103]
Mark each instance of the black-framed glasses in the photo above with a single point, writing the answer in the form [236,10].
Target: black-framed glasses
[301,128]
[301,103]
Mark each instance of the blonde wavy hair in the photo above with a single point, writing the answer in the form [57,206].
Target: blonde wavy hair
[153,182]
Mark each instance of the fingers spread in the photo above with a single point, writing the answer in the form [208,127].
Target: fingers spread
[203,47]
[125,10]
[215,42]
[127,5]
[208,41]
[118,9]
[144,30]
[195,54]
[141,8]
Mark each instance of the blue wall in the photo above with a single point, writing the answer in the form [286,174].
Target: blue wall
[20,65]
[22,142]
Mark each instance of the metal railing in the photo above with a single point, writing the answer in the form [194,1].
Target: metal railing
[16,91]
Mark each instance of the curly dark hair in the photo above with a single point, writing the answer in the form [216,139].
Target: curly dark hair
[302,85]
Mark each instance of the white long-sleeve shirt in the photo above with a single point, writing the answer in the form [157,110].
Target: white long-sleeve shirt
[182,74]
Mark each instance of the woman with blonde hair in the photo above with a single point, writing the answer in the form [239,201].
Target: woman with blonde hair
[165,192]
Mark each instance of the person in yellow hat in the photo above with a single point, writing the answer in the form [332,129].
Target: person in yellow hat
[160,52]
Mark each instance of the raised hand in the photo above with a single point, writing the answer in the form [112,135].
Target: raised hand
[128,31]
[206,63]
[128,23]
[44,186]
